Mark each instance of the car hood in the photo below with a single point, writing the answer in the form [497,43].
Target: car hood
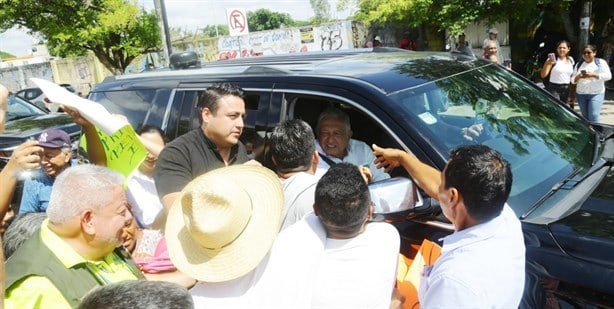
[15,132]
[588,233]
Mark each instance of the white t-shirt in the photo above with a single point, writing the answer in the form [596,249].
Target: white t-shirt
[359,272]
[229,294]
[561,72]
[308,270]
[146,205]
[299,194]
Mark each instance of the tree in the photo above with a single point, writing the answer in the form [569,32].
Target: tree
[116,31]
[215,30]
[264,19]
[321,9]
[453,15]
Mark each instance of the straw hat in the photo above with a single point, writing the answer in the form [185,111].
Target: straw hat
[224,222]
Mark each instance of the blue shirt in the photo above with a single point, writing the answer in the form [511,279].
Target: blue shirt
[480,267]
[36,193]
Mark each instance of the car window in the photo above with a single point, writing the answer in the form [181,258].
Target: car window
[135,104]
[19,108]
[543,142]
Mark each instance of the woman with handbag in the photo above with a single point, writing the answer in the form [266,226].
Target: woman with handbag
[557,71]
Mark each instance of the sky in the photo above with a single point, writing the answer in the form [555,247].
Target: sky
[189,15]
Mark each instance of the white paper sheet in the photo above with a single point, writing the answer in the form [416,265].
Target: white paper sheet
[92,111]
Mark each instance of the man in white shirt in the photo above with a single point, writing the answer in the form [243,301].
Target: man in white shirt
[335,145]
[482,264]
[335,257]
[295,158]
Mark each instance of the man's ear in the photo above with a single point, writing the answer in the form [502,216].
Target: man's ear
[206,114]
[87,222]
[315,211]
[314,161]
[350,133]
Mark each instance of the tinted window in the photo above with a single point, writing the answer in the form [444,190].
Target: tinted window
[134,104]
[543,142]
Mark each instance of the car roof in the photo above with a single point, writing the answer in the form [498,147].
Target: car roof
[389,69]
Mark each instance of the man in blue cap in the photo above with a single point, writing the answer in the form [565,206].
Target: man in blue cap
[54,158]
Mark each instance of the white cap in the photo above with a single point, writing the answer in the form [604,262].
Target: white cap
[493,30]
[377,38]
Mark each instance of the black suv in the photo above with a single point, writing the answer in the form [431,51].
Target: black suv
[26,121]
[562,165]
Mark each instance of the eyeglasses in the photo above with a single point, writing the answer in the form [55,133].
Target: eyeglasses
[587,52]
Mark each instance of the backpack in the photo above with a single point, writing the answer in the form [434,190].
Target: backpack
[597,62]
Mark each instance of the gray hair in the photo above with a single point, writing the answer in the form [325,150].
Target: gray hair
[334,113]
[79,188]
[138,294]
[21,228]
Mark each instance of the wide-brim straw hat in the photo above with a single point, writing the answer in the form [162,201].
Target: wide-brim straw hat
[224,222]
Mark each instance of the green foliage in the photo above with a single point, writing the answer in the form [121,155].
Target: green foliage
[453,15]
[321,9]
[264,19]
[4,55]
[116,31]
[211,31]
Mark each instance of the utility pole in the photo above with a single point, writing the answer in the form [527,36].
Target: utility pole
[163,25]
[585,22]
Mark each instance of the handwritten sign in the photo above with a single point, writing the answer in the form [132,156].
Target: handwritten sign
[122,147]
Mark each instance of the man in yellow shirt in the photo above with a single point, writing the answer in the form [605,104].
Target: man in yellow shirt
[76,248]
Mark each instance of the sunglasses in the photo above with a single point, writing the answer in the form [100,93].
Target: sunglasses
[587,52]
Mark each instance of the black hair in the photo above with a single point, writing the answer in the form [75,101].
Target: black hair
[138,294]
[292,145]
[210,97]
[148,128]
[482,177]
[342,199]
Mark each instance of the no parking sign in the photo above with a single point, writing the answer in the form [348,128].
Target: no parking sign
[237,21]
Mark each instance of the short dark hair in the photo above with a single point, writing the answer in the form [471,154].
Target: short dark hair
[21,229]
[342,199]
[482,177]
[210,97]
[138,294]
[292,145]
[148,128]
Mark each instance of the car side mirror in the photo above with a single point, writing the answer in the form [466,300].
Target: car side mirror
[395,196]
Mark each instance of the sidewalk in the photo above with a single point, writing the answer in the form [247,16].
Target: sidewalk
[607,111]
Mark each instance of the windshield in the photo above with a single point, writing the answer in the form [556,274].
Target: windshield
[543,142]
[19,108]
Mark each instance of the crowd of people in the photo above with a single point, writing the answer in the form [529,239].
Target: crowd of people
[198,224]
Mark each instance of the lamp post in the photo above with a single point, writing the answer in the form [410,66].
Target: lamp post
[163,24]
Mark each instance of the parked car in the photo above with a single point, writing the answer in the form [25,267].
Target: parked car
[562,165]
[38,98]
[26,121]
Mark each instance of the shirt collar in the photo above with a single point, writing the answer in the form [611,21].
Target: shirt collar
[234,150]
[64,252]
[475,233]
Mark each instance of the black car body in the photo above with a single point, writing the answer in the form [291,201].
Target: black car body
[25,121]
[562,165]
[36,96]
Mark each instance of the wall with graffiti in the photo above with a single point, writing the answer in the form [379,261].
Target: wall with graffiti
[333,36]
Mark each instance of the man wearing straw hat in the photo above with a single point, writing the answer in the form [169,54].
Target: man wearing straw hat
[220,228]
[213,145]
